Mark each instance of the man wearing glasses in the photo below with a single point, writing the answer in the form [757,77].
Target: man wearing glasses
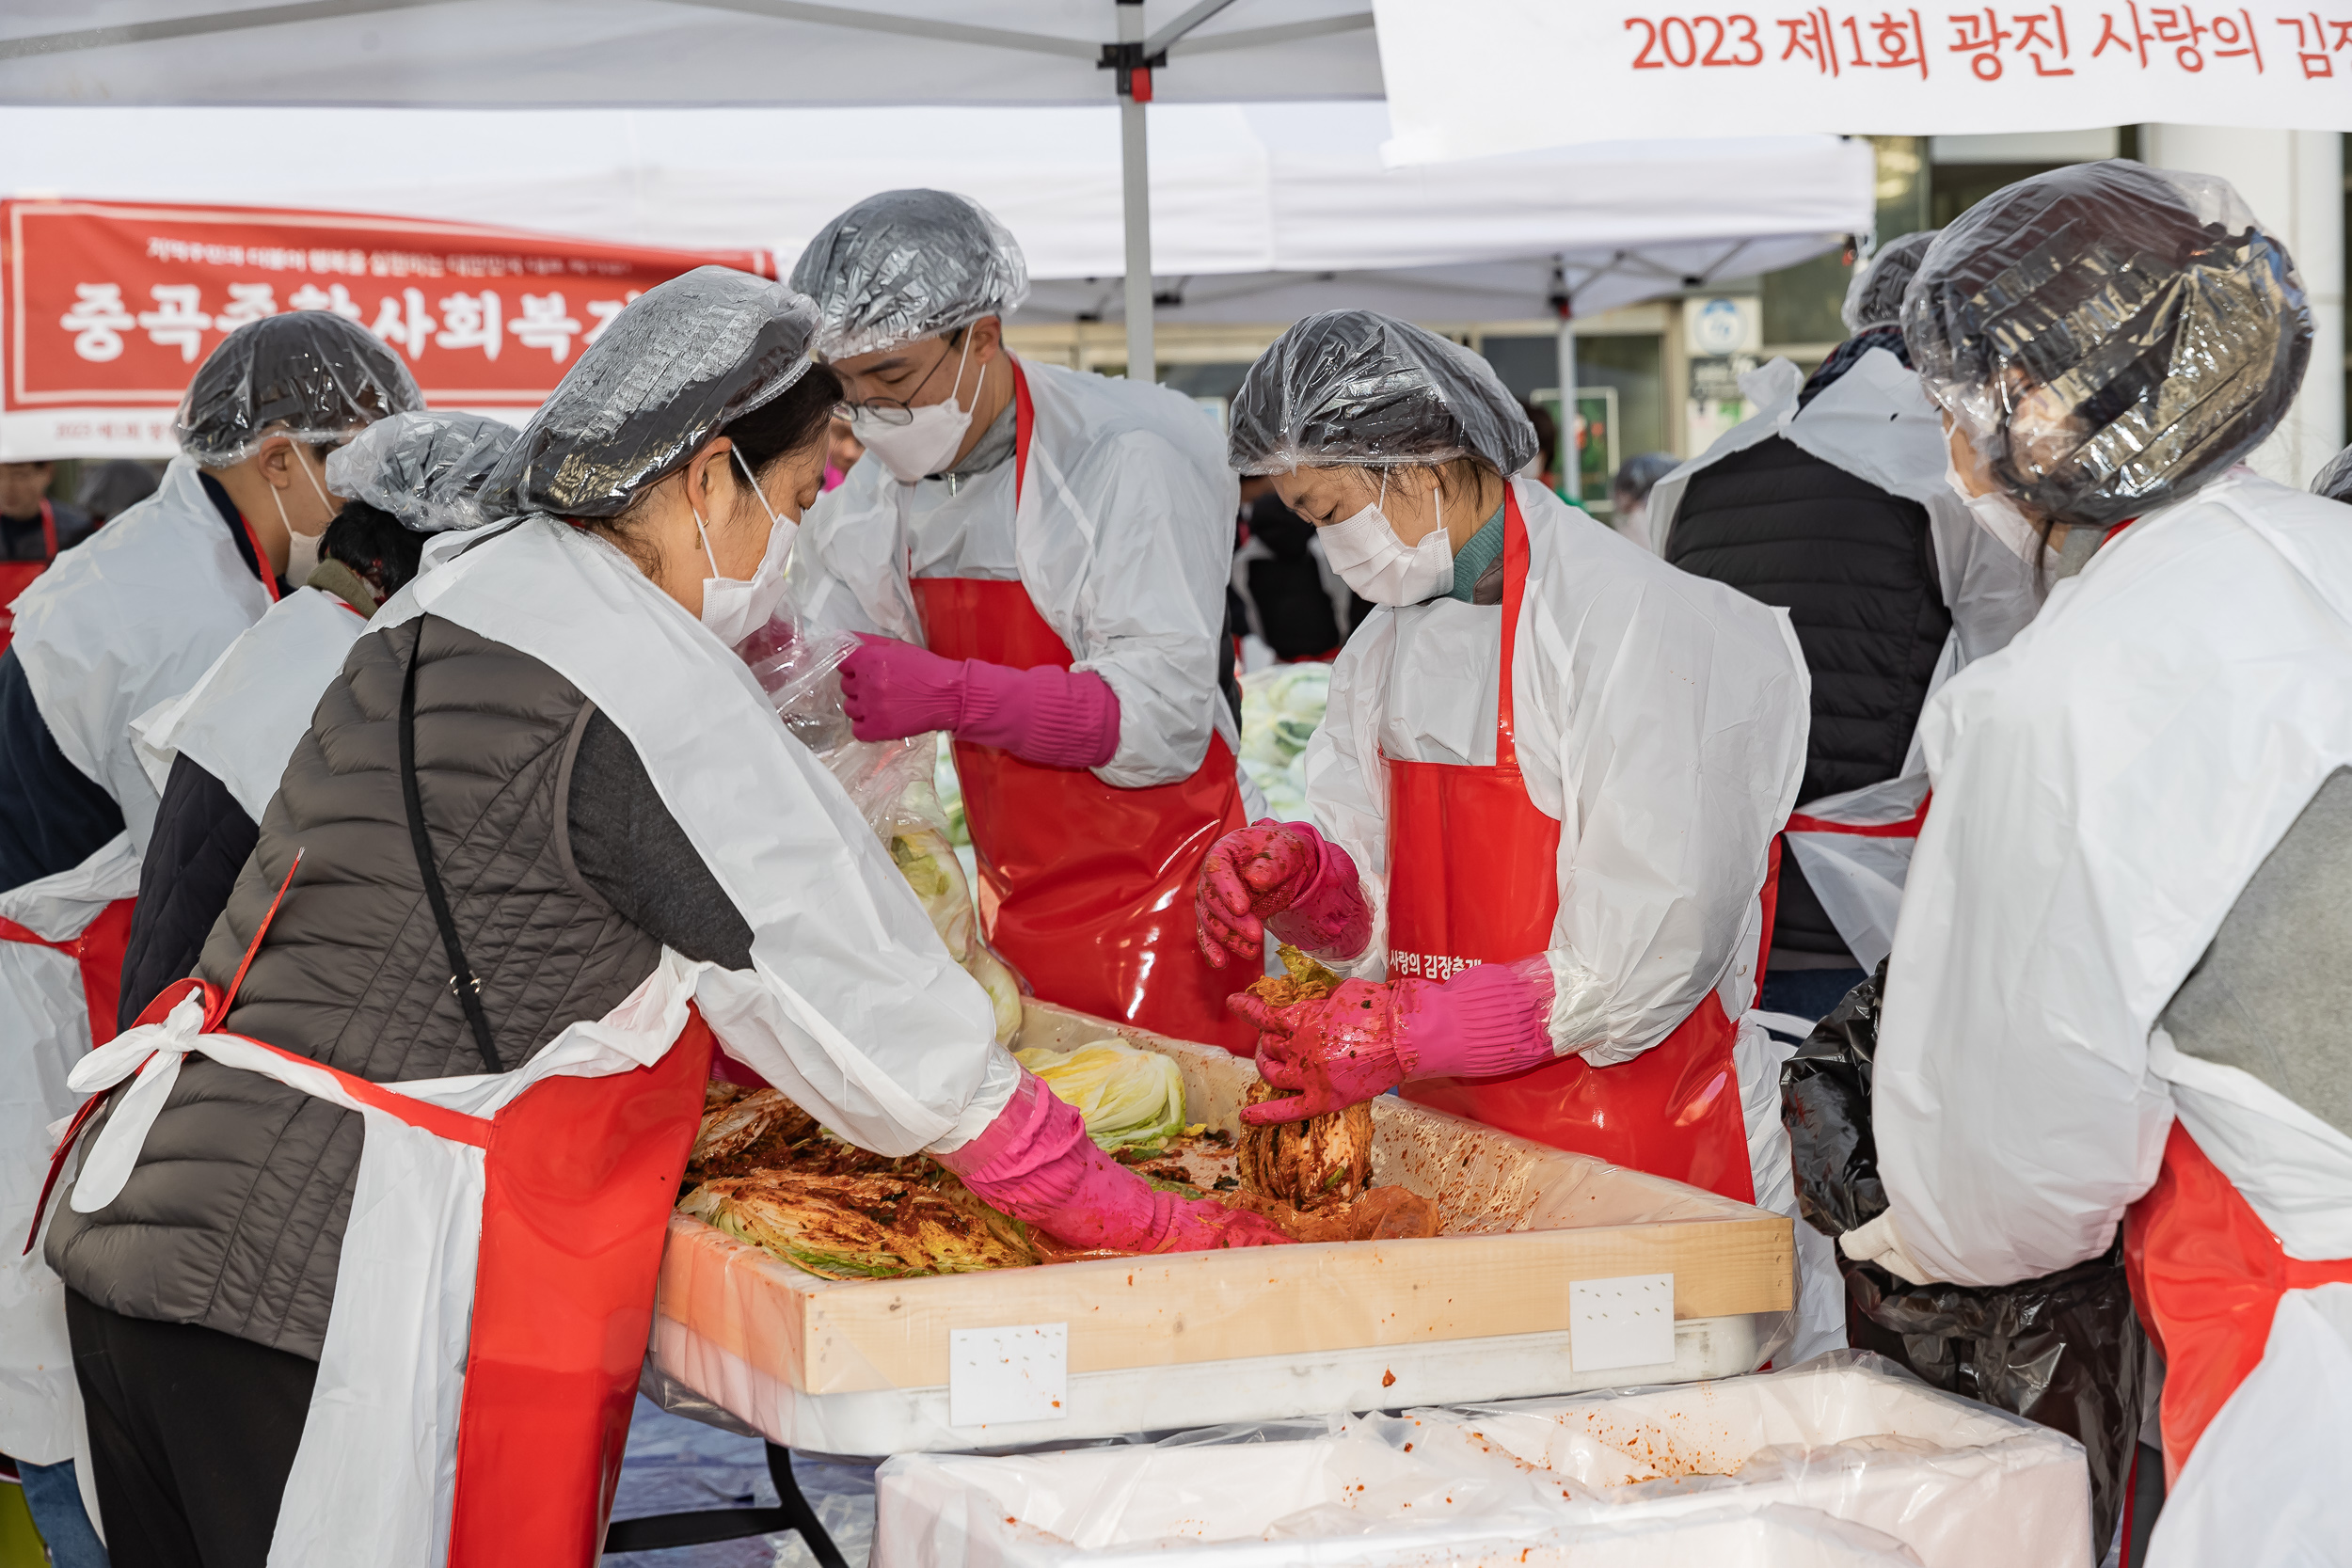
[1036,561]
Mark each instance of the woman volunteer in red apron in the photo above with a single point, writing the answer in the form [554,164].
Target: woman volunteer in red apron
[1039,559]
[1544,792]
[2117,992]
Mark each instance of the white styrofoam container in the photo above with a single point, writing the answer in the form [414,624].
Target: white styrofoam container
[1355,1495]
[1844,1459]
[1960,1483]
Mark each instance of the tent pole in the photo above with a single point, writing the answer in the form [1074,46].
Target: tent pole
[1565,459]
[1134,179]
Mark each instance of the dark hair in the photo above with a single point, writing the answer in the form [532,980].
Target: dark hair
[376,545]
[789,421]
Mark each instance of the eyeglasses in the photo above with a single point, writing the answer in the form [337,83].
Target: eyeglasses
[898,411]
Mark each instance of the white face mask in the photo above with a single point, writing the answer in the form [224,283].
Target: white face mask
[1995,512]
[302,550]
[734,608]
[1371,559]
[929,439]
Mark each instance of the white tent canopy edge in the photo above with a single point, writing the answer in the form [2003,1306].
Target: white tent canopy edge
[703,53]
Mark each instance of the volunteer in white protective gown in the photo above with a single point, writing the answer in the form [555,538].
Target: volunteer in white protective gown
[130,617]
[375,1227]
[2119,985]
[1038,560]
[1544,795]
[216,750]
[1831,502]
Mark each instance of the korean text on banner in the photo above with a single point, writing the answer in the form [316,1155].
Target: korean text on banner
[109,308]
[1466,78]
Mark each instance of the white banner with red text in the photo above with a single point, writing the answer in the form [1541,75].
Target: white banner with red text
[1468,78]
[109,308]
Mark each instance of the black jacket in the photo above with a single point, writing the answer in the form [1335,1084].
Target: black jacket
[52,815]
[1854,566]
[200,842]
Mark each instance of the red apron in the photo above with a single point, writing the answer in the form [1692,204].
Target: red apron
[1086,888]
[2206,1274]
[1674,1109]
[580,1176]
[98,953]
[17,576]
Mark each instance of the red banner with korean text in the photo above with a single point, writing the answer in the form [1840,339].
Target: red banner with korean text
[1468,78]
[110,307]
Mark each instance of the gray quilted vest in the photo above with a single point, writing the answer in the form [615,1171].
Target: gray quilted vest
[234,1218]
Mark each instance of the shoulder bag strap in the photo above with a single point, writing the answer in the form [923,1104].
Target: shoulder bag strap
[462,979]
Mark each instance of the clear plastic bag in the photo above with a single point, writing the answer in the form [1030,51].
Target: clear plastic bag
[1959,1482]
[1362,1491]
[893,784]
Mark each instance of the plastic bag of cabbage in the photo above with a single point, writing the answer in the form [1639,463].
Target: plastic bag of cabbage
[892,783]
[1280,710]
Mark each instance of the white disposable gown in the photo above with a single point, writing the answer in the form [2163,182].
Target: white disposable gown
[1660,717]
[128,617]
[242,717]
[2105,789]
[1877,423]
[1125,554]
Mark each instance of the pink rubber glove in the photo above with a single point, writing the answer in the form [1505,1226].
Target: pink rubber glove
[1368,1037]
[1036,1162]
[1053,717]
[1282,876]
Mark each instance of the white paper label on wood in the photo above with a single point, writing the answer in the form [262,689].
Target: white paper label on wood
[996,1375]
[1627,1321]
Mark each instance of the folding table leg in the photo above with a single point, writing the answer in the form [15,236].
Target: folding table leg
[654,1532]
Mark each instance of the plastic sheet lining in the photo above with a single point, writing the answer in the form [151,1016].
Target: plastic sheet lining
[1844,1460]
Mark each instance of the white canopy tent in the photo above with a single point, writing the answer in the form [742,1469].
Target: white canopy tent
[701,54]
[1263,213]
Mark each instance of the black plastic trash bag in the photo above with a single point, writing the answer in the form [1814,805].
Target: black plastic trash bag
[2065,1350]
